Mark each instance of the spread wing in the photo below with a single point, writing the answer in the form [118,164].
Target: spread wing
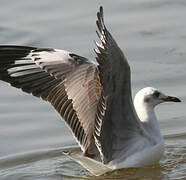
[95,101]
[116,121]
[68,81]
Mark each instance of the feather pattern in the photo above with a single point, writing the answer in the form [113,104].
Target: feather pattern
[94,100]
[64,79]
[114,74]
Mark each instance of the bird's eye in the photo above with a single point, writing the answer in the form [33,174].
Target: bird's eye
[156,94]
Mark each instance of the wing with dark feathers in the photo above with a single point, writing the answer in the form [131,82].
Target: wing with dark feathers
[116,119]
[68,81]
[95,101]
[18,69]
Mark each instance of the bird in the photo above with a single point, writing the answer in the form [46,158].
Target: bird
[94,99]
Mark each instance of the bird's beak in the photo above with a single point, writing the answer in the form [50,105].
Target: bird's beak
[171,98]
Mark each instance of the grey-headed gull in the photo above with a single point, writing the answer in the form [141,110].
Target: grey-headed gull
[94,99]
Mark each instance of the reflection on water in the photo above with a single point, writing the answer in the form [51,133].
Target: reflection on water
[152,35]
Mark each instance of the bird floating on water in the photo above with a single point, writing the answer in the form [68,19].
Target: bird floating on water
[94,99]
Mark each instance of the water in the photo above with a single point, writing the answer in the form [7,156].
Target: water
[151,33]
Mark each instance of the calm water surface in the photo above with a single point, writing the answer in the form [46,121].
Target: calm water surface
[153,36]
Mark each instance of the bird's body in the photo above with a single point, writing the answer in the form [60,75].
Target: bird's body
[141,154]
[94,99]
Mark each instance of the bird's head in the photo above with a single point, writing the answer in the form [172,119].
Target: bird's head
[152,97]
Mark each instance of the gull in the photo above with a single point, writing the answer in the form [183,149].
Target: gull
[94,99]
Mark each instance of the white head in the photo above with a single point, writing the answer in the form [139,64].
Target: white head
[151,97]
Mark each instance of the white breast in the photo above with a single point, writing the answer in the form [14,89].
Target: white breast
[146,157]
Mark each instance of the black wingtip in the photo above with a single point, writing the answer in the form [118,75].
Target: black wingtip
[100,20]
[100,14]
[101,9]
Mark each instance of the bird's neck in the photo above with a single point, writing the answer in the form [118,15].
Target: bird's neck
[148,118]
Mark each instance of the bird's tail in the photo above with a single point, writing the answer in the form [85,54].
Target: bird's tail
[94,167]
